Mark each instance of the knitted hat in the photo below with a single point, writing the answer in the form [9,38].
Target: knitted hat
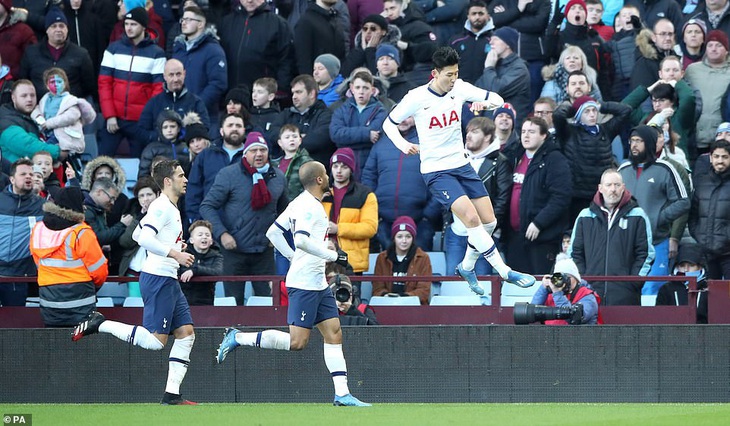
[723,127]
[68,205]
[568,267]
[376,19]
[690,252]
[694,21]
[330,62]
[55,15]
[403,223]
[254,139]
[718,36]
[388,50]
[194,127]
[582,103]
[508,35]
[507,109]
[238,95]
[345,156]
[139,15]
[572,3]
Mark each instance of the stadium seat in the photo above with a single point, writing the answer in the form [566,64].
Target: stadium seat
[366,290]
[648,300]
[131,168]
[219,289]
[133,302]
[117,291]
[104,302]
[260,301]
[513,290]
[438,262]
[472,300]
[371,264]
[461,288]
[224,301]
[395,301]
[247,291]
[511,300]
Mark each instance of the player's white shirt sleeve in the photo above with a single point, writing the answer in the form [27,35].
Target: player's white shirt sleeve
[275,234]
[162,219]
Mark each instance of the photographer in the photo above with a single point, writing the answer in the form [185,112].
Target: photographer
[564,288]
[352,310]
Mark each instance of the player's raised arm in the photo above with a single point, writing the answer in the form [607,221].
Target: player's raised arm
[391,129]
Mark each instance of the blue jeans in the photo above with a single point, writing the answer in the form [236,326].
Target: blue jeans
[454,248]
[659,268]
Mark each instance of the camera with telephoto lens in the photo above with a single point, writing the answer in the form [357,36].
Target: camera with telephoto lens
[527,313]
[342,291]
[560,280]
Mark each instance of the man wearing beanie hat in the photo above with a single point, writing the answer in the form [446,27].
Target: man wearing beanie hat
[564,289]
[505,134]
[706,76]
[599,248]
[327,75]
[318,32]
[352,210]
[403,258]
[690,262]
[436,110]
[587,144]
[692,41]
[241,204]
[57,51]
[17,36]
[713,14]
[67,293]
[659,191]
[506,73]
[124,92]
[387,59]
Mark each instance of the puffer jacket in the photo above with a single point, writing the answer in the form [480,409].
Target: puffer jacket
[709,216]
[68,124]
[20,135]
[18,213]
[351,126]
[357,223]
[203,172]
[175,149]
[589,155]
[647,58]
[622,46]
[126,84]
[15,38]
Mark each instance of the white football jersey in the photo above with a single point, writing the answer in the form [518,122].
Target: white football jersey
[164,218]
[306,215]
[438,122]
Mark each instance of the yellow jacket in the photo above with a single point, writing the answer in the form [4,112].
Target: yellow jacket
[357,223]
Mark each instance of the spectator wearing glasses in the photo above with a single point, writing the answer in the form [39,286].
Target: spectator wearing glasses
[651,47]
[544,108]
[99,201]
[375,31]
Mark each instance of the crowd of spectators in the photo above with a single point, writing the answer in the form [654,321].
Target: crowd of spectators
[614,129]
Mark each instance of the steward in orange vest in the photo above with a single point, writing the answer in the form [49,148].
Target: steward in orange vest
[70,261]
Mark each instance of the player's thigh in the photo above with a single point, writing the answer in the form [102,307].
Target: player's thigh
[464,209]
[159,297]
[484,208]
[181,316]
[331,331]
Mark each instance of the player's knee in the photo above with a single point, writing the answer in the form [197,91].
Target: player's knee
[154,344]
[298,344]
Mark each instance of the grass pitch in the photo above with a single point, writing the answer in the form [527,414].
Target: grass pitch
[379,414]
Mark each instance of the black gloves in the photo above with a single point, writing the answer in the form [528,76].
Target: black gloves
[341,258]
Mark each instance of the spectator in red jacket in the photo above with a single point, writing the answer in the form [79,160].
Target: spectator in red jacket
[126,84]
[15,36]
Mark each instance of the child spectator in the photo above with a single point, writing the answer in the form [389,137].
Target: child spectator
[290,141]
[196,134]
[208,262]
[61,115]
[169,144]
[43,163]
[594,19]
[264,111]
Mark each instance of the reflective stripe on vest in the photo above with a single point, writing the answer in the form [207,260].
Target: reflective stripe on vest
[60,263]
[98,264]
[67,305]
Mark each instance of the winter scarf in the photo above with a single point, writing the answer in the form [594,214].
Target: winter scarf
[260,195]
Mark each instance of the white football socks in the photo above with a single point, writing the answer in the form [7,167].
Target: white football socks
[134,334]
[483,242]
[335,361]
[178,363]
[267,339]
[472,255]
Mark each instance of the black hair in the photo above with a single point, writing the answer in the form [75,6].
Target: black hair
[444,56]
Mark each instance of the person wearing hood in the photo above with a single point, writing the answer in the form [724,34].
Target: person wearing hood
[374,32]
[204,61]
[690,262]
[586,142]
[613,237]
[691,46]
[71,265]
[659,191]
[578,33]
[103,166]
[175,97]
[169,144]
[131,74]
[473,42]
[709,218]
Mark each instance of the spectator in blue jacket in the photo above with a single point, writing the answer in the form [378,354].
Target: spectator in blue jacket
[225,151]
[176,97]
[357,123]
[389,173]
[327,75]
[205,62]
